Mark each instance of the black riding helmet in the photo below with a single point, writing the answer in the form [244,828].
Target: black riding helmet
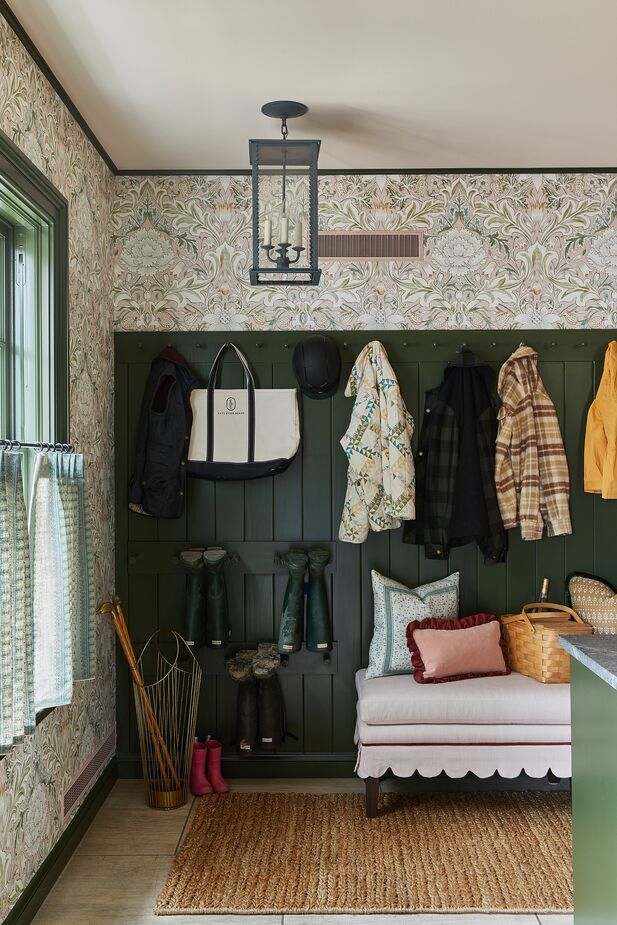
[317,366]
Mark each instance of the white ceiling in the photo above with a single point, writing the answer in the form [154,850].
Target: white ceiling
[393,83]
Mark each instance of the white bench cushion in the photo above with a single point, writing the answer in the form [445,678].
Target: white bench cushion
[510,699]
[460,734]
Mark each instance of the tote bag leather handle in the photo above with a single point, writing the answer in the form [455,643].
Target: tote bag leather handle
[249,384]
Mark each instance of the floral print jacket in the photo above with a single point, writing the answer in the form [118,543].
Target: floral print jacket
[381,476]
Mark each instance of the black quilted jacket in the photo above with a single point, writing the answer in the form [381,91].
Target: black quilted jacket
[159,474]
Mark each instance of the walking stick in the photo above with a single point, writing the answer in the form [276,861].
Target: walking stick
[164,759]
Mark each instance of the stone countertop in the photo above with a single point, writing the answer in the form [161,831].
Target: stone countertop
[598,653]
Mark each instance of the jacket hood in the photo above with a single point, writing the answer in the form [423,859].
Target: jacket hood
[518,377]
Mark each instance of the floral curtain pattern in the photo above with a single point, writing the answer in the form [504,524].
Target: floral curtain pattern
[63,582]
[17,714]
[500,251]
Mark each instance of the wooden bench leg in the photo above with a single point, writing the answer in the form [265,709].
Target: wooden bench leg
[371,785]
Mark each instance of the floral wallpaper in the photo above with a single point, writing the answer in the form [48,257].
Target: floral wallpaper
[33,777]
[500,251]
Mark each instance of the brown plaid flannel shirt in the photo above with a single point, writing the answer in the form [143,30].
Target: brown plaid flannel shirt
[531,469]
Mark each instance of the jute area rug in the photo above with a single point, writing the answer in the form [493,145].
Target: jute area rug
[317,853]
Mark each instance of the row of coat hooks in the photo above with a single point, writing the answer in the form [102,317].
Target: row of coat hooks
[434,345]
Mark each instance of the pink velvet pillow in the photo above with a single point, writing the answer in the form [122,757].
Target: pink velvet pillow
[449,650]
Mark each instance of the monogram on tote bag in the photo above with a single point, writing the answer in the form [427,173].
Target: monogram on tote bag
[242,433]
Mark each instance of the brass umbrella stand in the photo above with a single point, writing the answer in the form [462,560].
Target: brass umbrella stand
[166,710]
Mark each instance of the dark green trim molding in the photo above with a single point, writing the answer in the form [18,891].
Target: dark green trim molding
[41,884]
[376,171]
[36,189]
[41,63]
[288,765]
[47,72]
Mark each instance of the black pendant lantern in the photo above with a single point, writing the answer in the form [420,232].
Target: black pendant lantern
[284,205]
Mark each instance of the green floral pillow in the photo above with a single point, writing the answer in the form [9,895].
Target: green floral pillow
[395,607]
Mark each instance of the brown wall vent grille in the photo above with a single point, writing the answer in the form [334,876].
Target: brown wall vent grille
[101,757]
[370,245]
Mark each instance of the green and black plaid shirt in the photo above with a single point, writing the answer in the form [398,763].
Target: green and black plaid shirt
[456,501]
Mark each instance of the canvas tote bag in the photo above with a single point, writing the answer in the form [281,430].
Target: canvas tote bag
[242,433]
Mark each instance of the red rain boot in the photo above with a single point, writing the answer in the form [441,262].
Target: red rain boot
[199,782]
[214,751]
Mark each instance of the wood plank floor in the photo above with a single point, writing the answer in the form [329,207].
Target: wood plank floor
[122,862]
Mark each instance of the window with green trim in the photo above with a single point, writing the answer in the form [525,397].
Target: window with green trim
[33,303]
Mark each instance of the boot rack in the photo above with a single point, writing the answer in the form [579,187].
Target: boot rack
[249,558]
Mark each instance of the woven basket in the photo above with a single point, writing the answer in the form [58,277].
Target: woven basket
[532,640]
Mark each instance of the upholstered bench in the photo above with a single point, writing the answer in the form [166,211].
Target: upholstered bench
[509,725]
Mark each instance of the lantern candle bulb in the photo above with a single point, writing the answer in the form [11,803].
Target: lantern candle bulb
[267,237]
[284,230]
[297,236]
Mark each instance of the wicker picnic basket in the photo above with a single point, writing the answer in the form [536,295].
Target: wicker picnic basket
[532,639]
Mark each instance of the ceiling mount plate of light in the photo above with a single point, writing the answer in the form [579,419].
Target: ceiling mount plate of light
[284,187]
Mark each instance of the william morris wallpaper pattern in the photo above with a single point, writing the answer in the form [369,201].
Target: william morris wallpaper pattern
[501,251]
[34,776]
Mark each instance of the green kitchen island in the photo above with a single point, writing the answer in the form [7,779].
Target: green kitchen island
[594,777]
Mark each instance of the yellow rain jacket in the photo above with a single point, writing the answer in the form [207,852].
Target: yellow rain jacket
[601,434]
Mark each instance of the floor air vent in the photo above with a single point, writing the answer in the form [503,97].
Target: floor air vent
[89,771]
[370,245]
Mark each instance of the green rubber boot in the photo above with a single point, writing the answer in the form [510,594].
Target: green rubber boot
[292,619]
[240,668]
[318,626]
[271,713]
[217,627]
[195,599]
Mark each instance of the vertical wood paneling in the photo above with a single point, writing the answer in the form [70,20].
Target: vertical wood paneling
[405,557]
[303,505]
[171,602]
[258,494]
[579,392]
[551,551]
[430,375]
[287,487]
[142,610]
[316,470]
[317,713]
[140,527]
[375,555]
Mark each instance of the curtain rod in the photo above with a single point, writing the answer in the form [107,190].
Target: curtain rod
[40,445]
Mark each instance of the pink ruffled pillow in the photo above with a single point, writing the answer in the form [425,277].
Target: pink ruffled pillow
[450,650]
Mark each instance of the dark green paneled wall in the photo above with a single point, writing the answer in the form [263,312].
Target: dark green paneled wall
[303,505]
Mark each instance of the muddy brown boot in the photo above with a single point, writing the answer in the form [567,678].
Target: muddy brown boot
[266,661]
